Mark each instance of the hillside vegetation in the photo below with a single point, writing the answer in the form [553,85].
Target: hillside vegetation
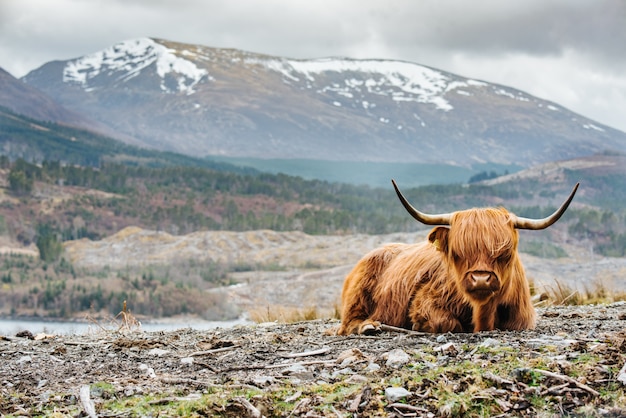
[75,202]
[59,184]
[44,205]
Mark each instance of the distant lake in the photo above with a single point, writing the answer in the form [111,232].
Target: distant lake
[11,326]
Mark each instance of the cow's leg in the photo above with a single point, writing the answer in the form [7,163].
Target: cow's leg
[369,327]
[440,322]
[355,321]
[426,317]
[358,304]
[513,317]
[484,317]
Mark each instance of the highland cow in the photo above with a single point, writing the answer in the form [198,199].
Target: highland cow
[467,277]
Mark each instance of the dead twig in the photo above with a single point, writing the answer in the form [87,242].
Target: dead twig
[406,407]
[274,366]
[302,363]
[568,380]
[251,409]
[86,402]
[213,351]
[390,328]
[557,390]
[323,350]
[184,381]
[361,399]
[499,380]
[128,321]
[203,383]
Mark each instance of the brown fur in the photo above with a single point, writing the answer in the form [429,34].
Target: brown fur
[466,278]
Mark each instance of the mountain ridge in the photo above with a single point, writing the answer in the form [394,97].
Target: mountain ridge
[206,101]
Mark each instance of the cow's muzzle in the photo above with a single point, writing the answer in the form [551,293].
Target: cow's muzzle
[481,285]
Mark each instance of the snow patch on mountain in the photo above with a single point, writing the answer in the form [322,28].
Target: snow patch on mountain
[402,81]
[129,58]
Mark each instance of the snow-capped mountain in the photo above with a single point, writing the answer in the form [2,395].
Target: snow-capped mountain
[207,101]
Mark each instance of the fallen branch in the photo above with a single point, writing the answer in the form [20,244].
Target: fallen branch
[203,383]
[185,381]
[213,351]
[390,328]
[557,390]
[274,366]
[252,411]
[498,380]
[86,402]
[323,350]
[302,363]
[406,407]
[568,380]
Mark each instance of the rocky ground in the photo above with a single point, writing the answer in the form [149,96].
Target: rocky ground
[572,364]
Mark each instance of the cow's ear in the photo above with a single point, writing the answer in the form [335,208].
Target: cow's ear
[439,238]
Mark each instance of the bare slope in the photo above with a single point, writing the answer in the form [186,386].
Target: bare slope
[306,270]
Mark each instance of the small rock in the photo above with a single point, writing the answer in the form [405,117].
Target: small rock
[621,376]
[187,360]
[356,378]
[441,339]
[149,371]
[448,348]
[24,359]
[394,394]
[373,367]
[298,371]
[157,352]
[25,334]
[263,381]
[341,372]
[490,342]
[350,356]
[295,368]
[396,358]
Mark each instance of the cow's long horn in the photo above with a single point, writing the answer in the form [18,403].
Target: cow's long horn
[534,224]
[441,219]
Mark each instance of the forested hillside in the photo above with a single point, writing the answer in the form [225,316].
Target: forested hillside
[73,202]
[43,205]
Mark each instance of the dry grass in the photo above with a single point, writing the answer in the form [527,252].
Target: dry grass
[126,320]
[560,293]
[289,315]
[123,322]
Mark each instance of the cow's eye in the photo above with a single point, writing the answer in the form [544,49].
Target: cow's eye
[504,258]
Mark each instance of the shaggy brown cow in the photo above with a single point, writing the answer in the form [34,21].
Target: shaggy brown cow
[467,277]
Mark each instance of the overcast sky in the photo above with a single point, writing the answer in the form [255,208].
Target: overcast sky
[572,52]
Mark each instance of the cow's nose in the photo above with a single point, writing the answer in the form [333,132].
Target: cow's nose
[481,279]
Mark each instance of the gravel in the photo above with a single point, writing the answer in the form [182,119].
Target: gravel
[283,367]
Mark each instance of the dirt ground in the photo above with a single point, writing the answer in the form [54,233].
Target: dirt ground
[570,365]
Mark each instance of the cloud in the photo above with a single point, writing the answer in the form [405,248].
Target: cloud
[568,51]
